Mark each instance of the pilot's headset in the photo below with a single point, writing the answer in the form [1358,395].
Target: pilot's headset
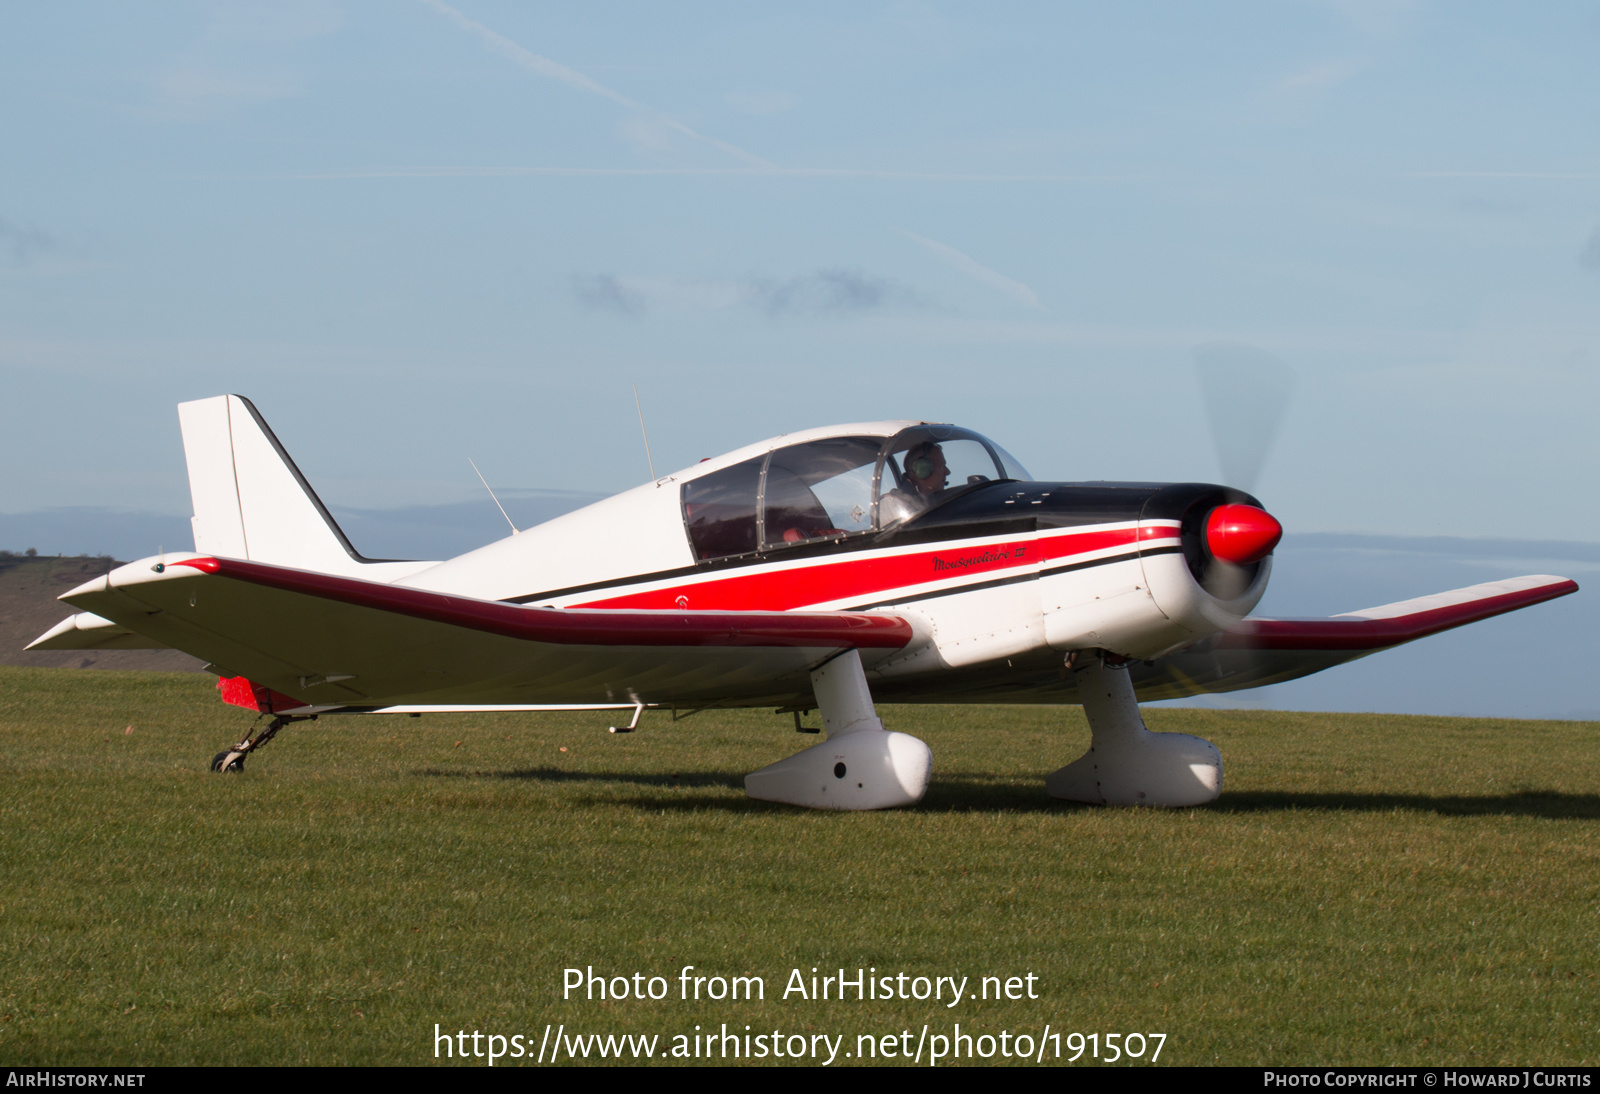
[919,460]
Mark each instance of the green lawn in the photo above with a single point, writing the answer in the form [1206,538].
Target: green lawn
[1369,888]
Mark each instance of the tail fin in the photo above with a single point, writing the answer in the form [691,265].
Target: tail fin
[250,500]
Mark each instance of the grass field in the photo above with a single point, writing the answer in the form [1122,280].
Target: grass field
[1369,889]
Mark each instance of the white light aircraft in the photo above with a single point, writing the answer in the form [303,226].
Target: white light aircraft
[899,562]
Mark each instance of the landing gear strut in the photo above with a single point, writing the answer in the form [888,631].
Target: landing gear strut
[860,765]
[1127,764]
[232,759]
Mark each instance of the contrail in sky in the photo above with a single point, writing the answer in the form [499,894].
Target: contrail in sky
[549,69]
[468,171]
[973,268]
[1500,175]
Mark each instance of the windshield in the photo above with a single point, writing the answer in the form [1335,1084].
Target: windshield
[926,465]
[836,487]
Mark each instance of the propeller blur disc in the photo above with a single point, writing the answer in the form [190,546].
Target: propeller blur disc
[1247,392]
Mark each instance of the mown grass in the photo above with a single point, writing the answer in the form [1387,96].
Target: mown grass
[1369,889]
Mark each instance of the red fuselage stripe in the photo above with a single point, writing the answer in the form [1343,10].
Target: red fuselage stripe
[834,579]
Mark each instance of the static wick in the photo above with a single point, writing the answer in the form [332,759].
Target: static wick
[497,504]
[646,436]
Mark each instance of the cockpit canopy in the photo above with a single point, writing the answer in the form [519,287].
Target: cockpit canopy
[837,487]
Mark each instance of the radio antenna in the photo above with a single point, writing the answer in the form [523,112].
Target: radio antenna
[497,504]
[642,432]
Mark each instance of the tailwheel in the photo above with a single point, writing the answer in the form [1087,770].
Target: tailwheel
[233,759]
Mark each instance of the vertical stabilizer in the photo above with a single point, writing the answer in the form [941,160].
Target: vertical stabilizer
[250,500]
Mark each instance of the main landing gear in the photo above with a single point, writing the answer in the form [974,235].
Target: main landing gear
[1126,763]
[861,765]
[232,759]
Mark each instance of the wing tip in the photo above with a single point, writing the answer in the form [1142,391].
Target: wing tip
[1384,627]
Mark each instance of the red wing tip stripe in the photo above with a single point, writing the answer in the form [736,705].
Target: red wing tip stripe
[205,565]
[1376,634]
[585,627]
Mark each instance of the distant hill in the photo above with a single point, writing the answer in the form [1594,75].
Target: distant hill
[28,607]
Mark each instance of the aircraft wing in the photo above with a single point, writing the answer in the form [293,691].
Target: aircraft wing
[329,640]
[1258,652]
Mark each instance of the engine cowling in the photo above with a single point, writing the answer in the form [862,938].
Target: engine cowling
[1223,560]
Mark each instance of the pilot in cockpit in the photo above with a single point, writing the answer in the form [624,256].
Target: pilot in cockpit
[925,477]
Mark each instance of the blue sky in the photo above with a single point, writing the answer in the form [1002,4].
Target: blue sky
[414,232]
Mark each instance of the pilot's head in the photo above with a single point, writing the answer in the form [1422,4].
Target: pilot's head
[925,468]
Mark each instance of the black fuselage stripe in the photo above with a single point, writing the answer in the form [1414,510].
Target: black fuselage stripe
[858,545]
[855,544]
[1144,553]
[737,564]
[975,586]
[937,593]
[610,583]
[999,581]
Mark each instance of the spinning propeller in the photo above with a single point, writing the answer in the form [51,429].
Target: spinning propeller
[1247,392]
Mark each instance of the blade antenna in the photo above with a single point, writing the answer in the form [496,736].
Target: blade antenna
[646,436]
[497,504]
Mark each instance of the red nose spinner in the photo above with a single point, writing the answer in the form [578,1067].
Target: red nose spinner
[1241,534]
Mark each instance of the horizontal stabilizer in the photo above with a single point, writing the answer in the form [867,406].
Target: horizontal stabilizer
[87,631]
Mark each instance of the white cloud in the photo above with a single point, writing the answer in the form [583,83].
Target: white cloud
[626,295]
[21,244]
[831,291]
[606,292]
[236,59]
[1589,257]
